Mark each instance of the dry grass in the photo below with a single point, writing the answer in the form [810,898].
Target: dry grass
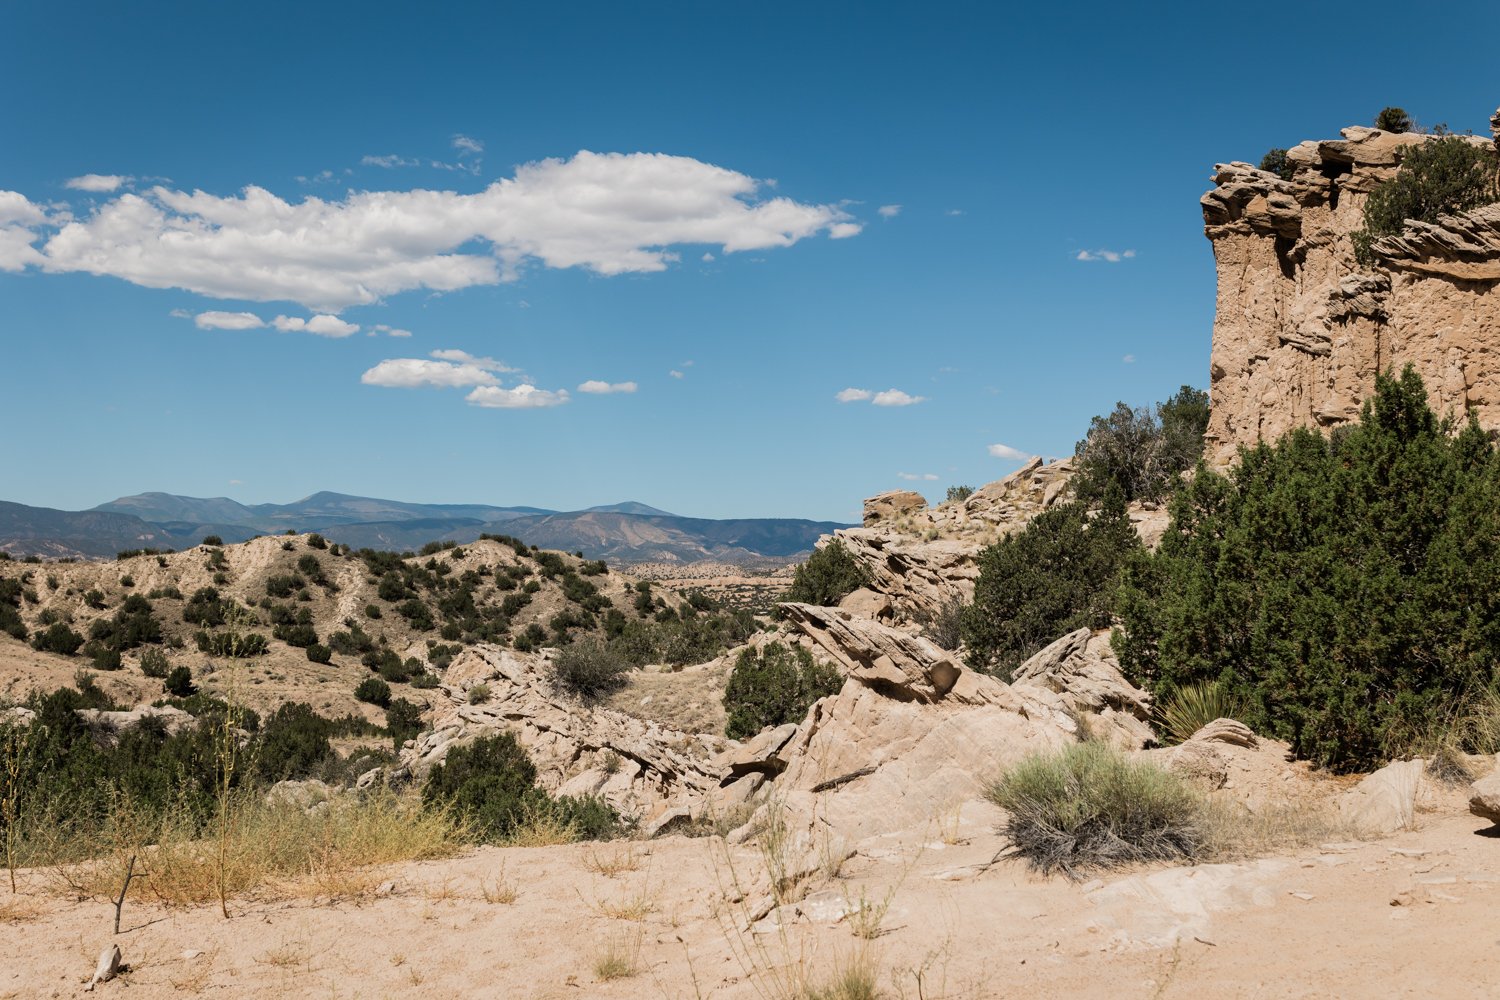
[856,976]
[867,916]
[541,828]
[619,957]
[499,889]
[613,863]
[272,851]
[634,906]
[15,909]
[1230,831]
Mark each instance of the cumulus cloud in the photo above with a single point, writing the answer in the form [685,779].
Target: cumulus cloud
[1007,452]
[1109,256]
[889,211]
[467,146]
[523,397]
[465,358]
[914,477]
[889,397]
[676,374]
[98,183]
[18,216]
[895,397]
[610,213]
[323,325]
[410,373]
[228,321]
[389,331]
[1129,359]
[389,162]
[598,387]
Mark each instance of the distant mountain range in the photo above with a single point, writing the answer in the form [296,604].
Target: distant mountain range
[622,532]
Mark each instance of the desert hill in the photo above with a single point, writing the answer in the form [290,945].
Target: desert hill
[629,531]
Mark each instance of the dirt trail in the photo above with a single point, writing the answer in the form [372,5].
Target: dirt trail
[1410,916]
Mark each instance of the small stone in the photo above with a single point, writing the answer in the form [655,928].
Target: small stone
[107,967]
[1304,896]
[385,889]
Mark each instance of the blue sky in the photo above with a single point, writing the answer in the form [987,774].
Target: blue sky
[725,215]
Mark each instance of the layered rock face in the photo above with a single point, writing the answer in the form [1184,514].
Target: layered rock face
[1301,328]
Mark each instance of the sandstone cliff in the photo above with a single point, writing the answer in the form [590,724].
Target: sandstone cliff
[1301,329]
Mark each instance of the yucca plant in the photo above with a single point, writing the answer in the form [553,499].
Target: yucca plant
[1194,706]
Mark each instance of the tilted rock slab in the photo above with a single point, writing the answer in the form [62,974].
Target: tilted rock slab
[639,767]
[1301,328]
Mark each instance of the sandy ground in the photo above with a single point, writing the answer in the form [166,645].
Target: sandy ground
[1414,915]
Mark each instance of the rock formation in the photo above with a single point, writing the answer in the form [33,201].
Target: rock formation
[1301,328]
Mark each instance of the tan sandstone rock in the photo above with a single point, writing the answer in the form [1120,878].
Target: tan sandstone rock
[1301,329]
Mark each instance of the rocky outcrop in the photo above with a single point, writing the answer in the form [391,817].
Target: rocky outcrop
[1301,328]
[641,768]
[925,557]
[1081,669]
[107,727]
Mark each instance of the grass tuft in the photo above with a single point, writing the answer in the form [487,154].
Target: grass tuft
[1088,806]
[1195,706]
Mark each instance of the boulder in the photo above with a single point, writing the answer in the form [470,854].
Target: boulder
[107,726]
[906,666]
[1082,670]
[1387,800]
[892,505]
[1484,797]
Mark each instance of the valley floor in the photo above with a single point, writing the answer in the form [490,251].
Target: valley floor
[1414,915]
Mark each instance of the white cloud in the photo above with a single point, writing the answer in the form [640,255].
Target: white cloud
[522,397]
[389,331]
[1129,359]
[465,358]
[597,387]
[889,211]
[236,482]
[853,395]
[390,161]
[953,212]
[228,321]
[913,477]
[467,146]
[675,373]
[323,325]
[18,216]
[895,397]
[98,183]
[610,213]
[1007,452]
[409,373]
[1110,256]
[708,257]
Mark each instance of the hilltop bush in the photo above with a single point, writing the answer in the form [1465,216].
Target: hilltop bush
[1057,575]
[829,575]
[1441,177]
[590,668]
[775,685]
[1141,452]
[374,691]
[1344,589]
[1394,120]
[57,638]
[1275,161]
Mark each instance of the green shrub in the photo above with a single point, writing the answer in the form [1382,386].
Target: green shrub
[107,659]
[590,668]
[294,741]
[416,614]
[1393,120]
[424,680]
[317,541]
[1194,706]
[205,608]
[318,653]
[958,494]
[372,611]
[403,720]
[373,691]
[829,575]
[776,685]
[1346,589]
[57,638]
[284,585]
[231,643]
[1275,162]
[179,682]
[212,540]
[1441,177]
[1141,452]
[1088,806]
[300,636]
[154,663]
[479,694]
[1057,575]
